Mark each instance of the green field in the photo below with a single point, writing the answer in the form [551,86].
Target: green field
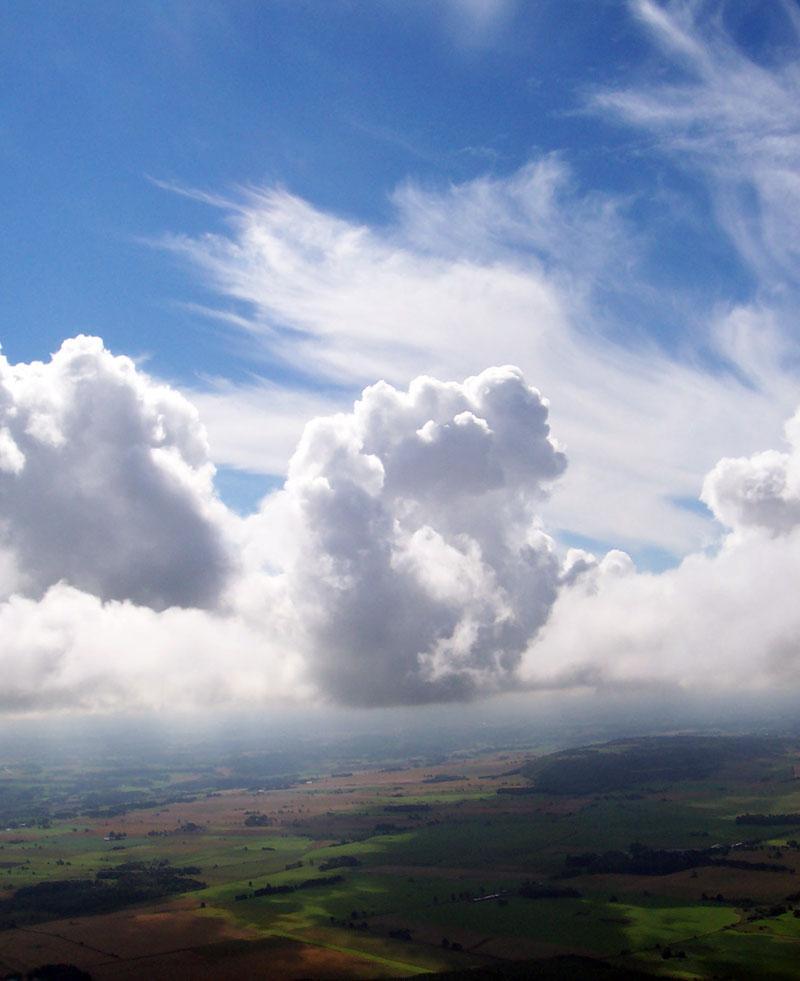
[354,869]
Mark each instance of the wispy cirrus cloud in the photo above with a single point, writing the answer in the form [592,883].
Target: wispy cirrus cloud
[732,116]
[255,427]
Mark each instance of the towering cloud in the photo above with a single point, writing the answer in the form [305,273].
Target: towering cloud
[418,567]
[105,483]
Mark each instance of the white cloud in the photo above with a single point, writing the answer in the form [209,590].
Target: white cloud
[725,621]
[70,651]
[734,117]
[760,492]
[359,303]
[414,558]
[256,427]
[105,483]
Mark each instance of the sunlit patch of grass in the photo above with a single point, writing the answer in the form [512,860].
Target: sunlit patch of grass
[730,954]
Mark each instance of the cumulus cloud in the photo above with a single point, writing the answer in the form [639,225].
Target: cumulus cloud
[105,483]
[726,619]
[761,491]
[416,562]
[726,623]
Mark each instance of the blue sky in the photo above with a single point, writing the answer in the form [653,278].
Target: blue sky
[342,103]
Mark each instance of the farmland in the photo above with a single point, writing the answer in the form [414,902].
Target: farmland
[629,853]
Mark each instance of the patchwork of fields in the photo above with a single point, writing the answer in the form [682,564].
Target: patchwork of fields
[402,871]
